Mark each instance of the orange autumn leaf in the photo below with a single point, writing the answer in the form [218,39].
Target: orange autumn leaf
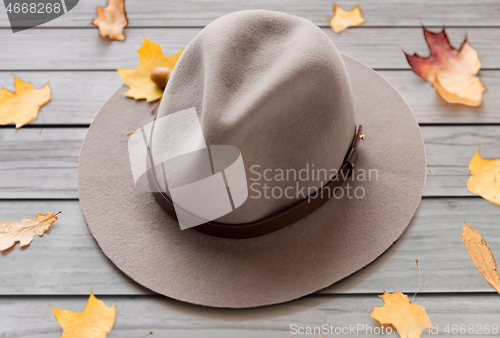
[405,316]
[452,72]
[24,231]
[343,19]
[112,20]
[96,321]
[484,178]
[139,79]
[22,106]
[481,255]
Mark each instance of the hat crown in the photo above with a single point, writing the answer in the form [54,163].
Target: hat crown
[274,86]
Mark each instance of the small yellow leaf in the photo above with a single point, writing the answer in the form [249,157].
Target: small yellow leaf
[111,20]
[343,19]
[96,321]
[452,72]
[408,318]
[484,178]
[22,106]
[139,79]
[481,255]
[24,231]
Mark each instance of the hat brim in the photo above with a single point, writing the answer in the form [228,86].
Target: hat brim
[340,238]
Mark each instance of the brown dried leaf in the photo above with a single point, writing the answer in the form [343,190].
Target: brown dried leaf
[452,72]
[111,20]
[24,231]
[481,255]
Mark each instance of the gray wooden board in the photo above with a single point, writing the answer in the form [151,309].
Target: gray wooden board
[138,316]
[83,49]
[40,171]
[147,13]
[66,260]
[77,96]
[34,165]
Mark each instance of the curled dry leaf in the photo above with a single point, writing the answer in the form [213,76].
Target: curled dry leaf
[405,316]
[139,79]
[22,106]
[112,20]
[96,321]
[481,255]
[24,231]
[452,72]
[484,178]
[343,19]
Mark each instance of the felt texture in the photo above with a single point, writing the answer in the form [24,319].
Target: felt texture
[323,248]
[260,78]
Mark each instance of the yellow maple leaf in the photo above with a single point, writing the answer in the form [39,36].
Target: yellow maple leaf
[111,20]
[481,255]
[408,318]
[96,321]
[22,106]
[343,19]
[139,79]
[484,178]
[452,72]
[24,231]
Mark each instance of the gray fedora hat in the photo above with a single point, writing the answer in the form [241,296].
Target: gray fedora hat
[274,87]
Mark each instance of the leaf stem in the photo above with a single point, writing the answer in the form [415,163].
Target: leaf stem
[441,171]
[419,280]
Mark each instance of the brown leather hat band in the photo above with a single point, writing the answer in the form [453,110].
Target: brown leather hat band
[271,223]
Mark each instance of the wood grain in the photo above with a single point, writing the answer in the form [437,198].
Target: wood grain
[430,108]
[137,316]
[83,49]
[60,268]
[44,165]
[77,96]
[37,165]
[449,151]
[151,13]
[68,261]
